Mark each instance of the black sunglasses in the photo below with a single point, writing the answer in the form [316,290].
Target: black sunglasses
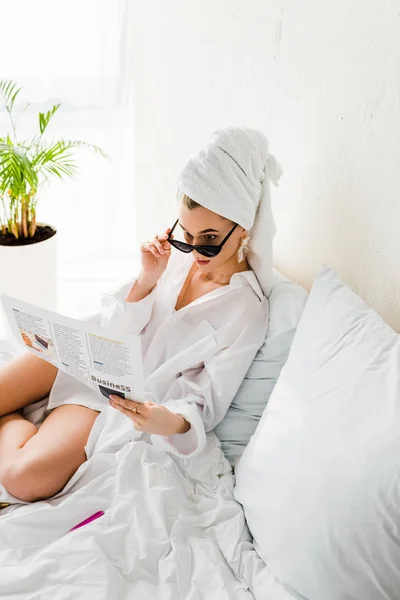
[209,251]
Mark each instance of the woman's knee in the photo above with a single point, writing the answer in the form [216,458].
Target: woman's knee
[23,380]
[29,480]
[17,480]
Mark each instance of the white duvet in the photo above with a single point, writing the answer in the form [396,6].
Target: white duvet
[171,530]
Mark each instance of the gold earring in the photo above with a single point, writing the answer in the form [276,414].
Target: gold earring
[243,248]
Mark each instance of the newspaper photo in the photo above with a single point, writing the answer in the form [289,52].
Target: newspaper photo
[105,359]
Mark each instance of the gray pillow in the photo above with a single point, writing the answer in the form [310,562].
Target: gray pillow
[286,303]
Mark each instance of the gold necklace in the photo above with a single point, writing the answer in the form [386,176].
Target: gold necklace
[217,282]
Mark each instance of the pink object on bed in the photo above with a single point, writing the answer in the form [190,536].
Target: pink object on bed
[96,515]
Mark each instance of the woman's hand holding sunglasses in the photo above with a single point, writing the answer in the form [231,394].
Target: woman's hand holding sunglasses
[155,255]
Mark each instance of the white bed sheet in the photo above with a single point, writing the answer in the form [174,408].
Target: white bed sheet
[172,529]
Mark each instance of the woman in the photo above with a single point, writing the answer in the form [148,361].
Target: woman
[202,316]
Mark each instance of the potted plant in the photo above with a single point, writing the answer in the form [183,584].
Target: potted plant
[28,267]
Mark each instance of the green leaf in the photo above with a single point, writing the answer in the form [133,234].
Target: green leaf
[16,170]
[24,166]
[44,119]
[8,93]
[54,160]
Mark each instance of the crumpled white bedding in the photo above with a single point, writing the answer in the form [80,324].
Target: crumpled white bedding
[171,530]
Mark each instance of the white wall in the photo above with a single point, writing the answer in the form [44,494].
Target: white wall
[322,80]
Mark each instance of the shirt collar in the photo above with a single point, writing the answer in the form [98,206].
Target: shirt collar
[237,280]
[240,279]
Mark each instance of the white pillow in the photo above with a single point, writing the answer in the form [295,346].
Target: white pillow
[286,303]
[320,478]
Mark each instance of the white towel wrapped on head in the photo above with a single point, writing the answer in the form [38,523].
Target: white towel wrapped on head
[231,178]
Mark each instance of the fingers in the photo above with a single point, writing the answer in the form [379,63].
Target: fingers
[163,241]
[138,424]
[151,247]
[159,245]
[142,411]
[139,421]
[127,404]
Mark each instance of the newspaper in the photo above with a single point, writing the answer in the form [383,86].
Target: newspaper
[105,359]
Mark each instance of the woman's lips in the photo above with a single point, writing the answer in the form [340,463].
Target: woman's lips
[202,262]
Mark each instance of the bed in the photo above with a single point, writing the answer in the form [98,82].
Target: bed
[171,529]
[310,511]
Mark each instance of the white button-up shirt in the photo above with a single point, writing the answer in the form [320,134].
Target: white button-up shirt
[194,359]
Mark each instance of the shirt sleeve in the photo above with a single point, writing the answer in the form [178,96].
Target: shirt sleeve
[115,311]
[202,395]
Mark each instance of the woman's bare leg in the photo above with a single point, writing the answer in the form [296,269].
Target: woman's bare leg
[15,431]
[25,379]
[47,461]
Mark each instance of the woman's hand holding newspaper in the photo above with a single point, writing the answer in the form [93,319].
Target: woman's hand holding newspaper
[150,417]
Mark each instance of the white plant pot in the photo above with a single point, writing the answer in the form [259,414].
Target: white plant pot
[29,272]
